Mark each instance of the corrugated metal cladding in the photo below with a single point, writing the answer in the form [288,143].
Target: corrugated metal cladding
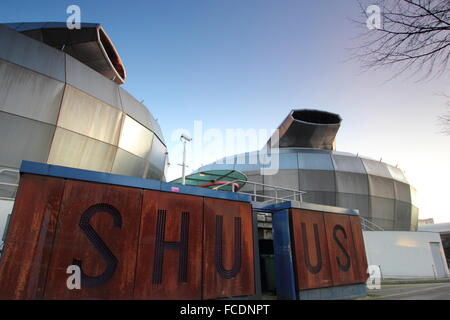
[56,110]
[379,191]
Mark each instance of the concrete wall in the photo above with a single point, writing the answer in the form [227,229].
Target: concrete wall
[402,254]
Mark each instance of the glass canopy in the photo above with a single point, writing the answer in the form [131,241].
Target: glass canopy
[226,180]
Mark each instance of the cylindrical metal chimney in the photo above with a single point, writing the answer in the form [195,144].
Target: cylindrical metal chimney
[306,128]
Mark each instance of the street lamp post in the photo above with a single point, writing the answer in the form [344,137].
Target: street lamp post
[185,140]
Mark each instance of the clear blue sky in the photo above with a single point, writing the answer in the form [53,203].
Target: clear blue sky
[246,63]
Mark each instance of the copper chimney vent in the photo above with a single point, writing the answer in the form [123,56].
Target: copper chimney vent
[307,128]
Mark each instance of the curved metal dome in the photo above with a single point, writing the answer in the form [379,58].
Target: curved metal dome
[307,162]
[58,109]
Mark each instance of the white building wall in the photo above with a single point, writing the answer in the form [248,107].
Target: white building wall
[402,254]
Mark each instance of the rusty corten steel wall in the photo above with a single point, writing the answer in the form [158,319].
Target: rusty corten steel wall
[228,266]
[328,249]
[170,215]
[113,212]
[130,243]
[26,254]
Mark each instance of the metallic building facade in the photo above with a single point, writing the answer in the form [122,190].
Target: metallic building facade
[378,190]
[57,110]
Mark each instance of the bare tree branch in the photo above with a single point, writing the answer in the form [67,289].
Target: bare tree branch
[413,33]
[413,36]
[444,120]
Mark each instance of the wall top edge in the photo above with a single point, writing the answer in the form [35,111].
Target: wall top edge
[310,206]
[37,168]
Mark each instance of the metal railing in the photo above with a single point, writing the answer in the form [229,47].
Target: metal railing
[8,184]
[368,225]
[10,170]
[296,195]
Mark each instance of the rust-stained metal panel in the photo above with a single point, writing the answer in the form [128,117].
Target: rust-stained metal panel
[128,243]
[311,259]
[23,266]
[360,250]
[343,260]
[98,228]
[169,264]
[228,263]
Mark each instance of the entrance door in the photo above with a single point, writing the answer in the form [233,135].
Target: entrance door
[438,260]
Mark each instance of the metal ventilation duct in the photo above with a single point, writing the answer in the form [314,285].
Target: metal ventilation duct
[90,45]
[305,128]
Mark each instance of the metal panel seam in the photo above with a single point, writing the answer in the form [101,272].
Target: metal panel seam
[57,119]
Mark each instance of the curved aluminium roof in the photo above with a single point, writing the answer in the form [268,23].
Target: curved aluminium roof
[90,45]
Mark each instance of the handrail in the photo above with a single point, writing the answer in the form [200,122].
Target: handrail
[6,199]
[8,183]
[9,169]
[295,193]
[365,223]
[368,225]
